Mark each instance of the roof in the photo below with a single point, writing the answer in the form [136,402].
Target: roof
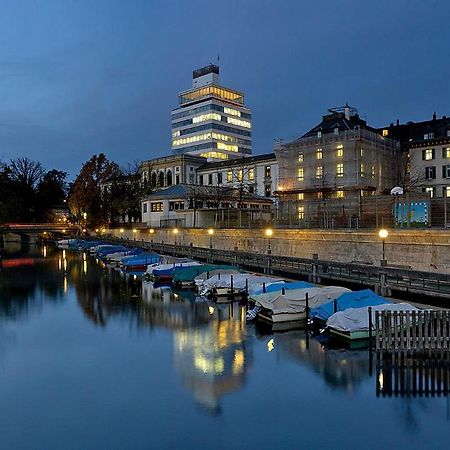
[237,161]
[184,191]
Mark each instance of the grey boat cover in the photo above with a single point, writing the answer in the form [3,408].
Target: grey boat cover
[294,300]
[357,319]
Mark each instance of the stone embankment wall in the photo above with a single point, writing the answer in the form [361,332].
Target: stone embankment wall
[427,250]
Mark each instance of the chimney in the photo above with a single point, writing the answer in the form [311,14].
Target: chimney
[434,115]
[398,122]
[347,111]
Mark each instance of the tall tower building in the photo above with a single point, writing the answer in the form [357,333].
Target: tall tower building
[211,120]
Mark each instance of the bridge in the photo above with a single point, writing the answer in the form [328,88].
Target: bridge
[34,232]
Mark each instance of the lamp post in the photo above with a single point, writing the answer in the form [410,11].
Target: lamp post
[269,233]
[211,234]
[175,233]
[383,234]
[151,232]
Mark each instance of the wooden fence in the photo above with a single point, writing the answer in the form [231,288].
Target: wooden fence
[412,331]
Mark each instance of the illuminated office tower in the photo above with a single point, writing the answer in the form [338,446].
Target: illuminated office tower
[211,120]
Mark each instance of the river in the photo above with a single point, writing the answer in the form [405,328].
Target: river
[92,359]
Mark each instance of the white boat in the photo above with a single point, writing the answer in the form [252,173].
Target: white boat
[232,284]
[353,323]
[287,309]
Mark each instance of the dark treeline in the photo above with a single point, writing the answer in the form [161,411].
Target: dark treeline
[28,192]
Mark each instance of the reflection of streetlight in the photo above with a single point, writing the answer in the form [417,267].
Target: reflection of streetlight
[383,233]
[269,233]
[211,234]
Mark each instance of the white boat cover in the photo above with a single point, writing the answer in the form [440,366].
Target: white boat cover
[294,300]
[357,319]
[187,263]
[239,282]
[204,275]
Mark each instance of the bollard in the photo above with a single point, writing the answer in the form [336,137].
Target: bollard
[283,291]
[264,288]
[218,276]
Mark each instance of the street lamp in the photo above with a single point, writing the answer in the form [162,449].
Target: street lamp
[211,234]
[383,233]
[175,232]
[269,233]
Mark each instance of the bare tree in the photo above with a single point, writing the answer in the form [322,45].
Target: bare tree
[409,175]
[26,171]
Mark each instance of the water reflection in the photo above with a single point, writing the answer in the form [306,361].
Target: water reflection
[213,360]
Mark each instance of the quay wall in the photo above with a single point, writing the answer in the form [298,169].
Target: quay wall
[427,250]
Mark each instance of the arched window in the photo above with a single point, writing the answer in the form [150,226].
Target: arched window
[169,178]
[153,180]
[161,179]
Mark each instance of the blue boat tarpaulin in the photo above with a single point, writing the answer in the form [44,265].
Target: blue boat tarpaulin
[287,286]
[356,299]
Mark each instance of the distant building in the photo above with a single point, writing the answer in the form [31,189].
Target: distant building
[427,146]
[211,120]
[341,158]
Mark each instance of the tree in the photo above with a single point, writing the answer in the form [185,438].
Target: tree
[51,192]
[86,200]
[26,171]
[409,176]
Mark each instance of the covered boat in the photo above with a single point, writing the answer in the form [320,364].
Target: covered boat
[165,271]
[356,299]
[186,275]
[287,309]
[353,323]
[140,262]
[286,286]
[231,284]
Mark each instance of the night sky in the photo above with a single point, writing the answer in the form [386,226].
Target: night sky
[81,77]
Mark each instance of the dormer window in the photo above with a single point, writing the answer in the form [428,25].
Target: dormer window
[428,136]
[336,130]
[319,134]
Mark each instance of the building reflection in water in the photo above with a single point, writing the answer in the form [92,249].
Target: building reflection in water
[341,369]
[213,360]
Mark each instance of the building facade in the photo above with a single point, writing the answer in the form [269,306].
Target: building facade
[426,154]
[211,120]
[341,159]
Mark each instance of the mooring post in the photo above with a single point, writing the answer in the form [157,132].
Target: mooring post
[231,283]
[370,325]
[264,288]
[335,305]
[283,291]
[307,308]
[246,286]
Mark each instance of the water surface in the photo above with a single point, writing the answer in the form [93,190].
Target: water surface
[91,359]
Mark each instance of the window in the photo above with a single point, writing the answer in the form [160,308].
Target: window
[361,170]
[340,170]
[431,191]
[267,171]
[446,171]
[251,174]
[210,178]
[446,191]
[319,153]
[372,171]
[177,179]
[156,207]
[229,176]
[219,178]
[361,152]
[251,189]
[240,175]
[320,195]
[446,152]
[300,196]
[200,180]
[267,190]
[300,174]
[176,205]
[144,208]
[340,151]
[385,133]
[339,194]
[319,134]
[300,157]
[430,173]
[428,154]
[319,172]
[428,136]
[301,212]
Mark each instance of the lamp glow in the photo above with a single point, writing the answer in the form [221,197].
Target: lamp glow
[383,233]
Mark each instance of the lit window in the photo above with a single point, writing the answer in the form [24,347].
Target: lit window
[229,147]
[267,171]
[301,212]
[300,157]
[205,117]
[217,155]
[361,170]
[446,152]
[319,153]
[240,175]
[300,196]
[175,133]
[251,174]
[385,132]
[372,171]
[428,154]
[229,176]
[340,194]
[300,174]
[319,172]
[361,152]
[340,170]
[446,191]
[239,122]
[320,195]
[430,190]
[340,151]
[232,112]
[319,134]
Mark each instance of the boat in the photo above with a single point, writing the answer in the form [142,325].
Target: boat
[164,272]
[287,309]
[226,285]
[284,285]
[355,299]
[185,276]
[353,323]
[140,262]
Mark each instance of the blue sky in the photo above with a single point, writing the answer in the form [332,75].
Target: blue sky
[78,77]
